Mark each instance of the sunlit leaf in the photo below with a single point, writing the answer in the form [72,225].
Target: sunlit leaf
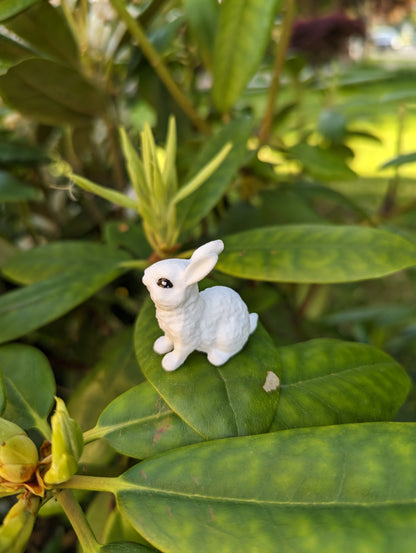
[315,253]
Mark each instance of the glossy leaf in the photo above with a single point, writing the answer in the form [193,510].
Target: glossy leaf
[10,8]
[236,403]
[51,93]
[315,253]
[45,28]
[29,386]
[33,306]
[243,34]
[196,206]
[140,424]
[13,190]
[328,381]
[202,18]
[346,488]
[56,258]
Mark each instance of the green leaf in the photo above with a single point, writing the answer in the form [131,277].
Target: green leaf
[203,175]
[202,18]
[10,8]
[51,93]
[19,154]
[240,43]
[315,253]
[13,190]
[346,488]
[102,383]
[29,386]
[11,53]
[128,235]
[140,424]
[126,547]
[45,29]
[322,164]
[328,381]
[57,258]
[109,194]
[33,306]
[196,206]
[400,160]
[236,404]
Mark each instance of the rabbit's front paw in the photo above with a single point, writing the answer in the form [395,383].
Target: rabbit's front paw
[172,361]
[163,345]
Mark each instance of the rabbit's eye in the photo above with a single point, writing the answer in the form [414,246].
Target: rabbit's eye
[164,283]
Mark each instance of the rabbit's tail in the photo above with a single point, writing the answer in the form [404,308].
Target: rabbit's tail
[253,321]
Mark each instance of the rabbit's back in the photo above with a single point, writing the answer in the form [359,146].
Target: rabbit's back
[225,323]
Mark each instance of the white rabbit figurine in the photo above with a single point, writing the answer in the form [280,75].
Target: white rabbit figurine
[215,321]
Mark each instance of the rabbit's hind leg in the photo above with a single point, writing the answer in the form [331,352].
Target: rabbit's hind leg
[163,345]
[217,357]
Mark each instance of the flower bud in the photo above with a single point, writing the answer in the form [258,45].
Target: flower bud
[67,444]
[18,524]
[18,454]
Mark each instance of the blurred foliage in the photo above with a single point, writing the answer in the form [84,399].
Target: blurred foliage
[135,131]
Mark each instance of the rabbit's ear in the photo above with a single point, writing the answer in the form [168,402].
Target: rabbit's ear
[203,261]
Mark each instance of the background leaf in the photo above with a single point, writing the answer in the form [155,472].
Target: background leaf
[240,43]
[327,381]
[56,258]
[315,253]
[44,28]
[31,307]
[321,163]
[29,385]
[196,206]
[13,190]
[202,18]
[346,488]
[9,8]
[236,403]
[11,53]
[51,93]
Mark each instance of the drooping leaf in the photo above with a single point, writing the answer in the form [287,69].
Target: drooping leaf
[315,253]
[10,8]
[51,93]
[345,488]
[140,424]
[35,305]
[29,386]
[45,28]
[236,403]
[13,190]
[243,34]
[56,258]
[328,381]
[196,206]
[202,18]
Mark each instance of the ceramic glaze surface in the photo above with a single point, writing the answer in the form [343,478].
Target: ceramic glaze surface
[215,321]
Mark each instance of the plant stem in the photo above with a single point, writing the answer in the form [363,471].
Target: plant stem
[78,521]
[279,60]
[93,483]
[158,65]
